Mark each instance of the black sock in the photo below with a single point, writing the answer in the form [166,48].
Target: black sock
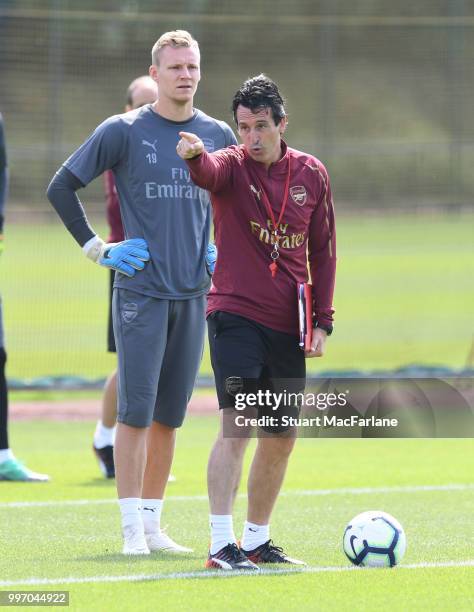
[3,401]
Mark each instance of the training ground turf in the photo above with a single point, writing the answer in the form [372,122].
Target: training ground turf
[404,295]
[65,535]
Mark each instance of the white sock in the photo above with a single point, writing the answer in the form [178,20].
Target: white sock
[6,454]
[254,535]
[151,515]
[130,510]
[222,531]
[103,436]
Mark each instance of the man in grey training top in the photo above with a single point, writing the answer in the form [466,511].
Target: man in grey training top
[162,280]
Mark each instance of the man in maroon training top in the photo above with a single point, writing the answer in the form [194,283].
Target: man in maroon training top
[142,90]
[272,211]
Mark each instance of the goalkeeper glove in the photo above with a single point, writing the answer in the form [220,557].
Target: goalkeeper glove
[125,257]
[211,258]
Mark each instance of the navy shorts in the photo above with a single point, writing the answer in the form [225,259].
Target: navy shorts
[159,350]
[110,324]
[2,339]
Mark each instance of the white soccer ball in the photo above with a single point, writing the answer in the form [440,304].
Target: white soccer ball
[374,539]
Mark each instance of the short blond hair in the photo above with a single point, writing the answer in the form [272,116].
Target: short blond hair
[175,38]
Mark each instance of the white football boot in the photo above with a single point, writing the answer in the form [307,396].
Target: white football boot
[160,540]
[134,542]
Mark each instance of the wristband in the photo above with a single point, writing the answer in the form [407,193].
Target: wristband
[325,327]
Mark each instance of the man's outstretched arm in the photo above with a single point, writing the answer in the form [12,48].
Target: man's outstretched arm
[211,171]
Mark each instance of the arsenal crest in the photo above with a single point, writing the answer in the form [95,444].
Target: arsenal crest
[298,193]
[129,312]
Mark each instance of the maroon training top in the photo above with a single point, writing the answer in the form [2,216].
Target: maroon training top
[242,282]
[113,208]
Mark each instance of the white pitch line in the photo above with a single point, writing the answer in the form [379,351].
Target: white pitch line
[371,490]
[217,574]
[302,492]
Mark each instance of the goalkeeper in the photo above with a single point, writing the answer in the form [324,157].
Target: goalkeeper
[161,285]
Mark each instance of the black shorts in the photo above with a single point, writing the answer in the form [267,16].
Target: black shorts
[248,357]
[110,327]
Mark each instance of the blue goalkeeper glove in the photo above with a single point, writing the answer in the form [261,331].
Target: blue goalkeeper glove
[211,258]
[125,257]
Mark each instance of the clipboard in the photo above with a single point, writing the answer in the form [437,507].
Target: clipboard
[305,315]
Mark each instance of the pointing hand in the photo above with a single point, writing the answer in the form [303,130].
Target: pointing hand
[189,146]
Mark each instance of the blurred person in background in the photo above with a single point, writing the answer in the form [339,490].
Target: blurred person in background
[142,90]
[10,467]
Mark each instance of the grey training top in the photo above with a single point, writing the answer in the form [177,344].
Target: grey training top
[158,200]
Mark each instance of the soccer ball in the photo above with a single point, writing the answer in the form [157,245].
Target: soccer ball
[374,539]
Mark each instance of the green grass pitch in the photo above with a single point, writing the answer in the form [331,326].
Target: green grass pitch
[76,546]
[404,295]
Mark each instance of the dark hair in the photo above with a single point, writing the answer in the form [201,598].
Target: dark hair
[257,93]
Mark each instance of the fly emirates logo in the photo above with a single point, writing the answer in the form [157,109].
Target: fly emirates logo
[179,187]
[284,240]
